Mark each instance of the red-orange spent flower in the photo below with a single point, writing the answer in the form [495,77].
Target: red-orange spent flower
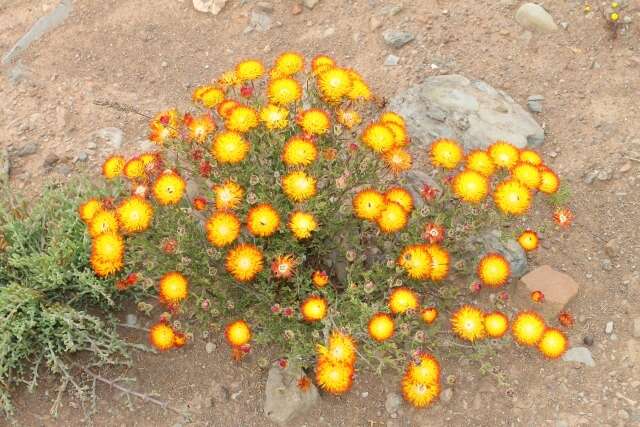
[433,233]
[320,278]
[537,296]
[563,217]
[283,267]
[566,319]
[199,203]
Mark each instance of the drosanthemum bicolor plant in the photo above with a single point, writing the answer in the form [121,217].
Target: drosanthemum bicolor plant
[280,208]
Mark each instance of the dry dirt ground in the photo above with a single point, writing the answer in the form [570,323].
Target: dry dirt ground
[149,53]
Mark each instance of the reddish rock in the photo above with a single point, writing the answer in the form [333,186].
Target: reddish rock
[558,289]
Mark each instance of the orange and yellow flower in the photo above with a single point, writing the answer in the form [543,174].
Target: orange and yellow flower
[402,299]
[284,91]
[439,262]
[104,221]
[512,197]
[162,336]
[334,83]
[319,62]
[553,343]
[359,91]
[563,217]
[419,395]
[88,209]
[173,288]
[289,63]
[209,96]
[299,186]
[378,137]
[228,195]
[320,278]
[242,119]
[496,324]
[284,267]
[341,349]
[169,188]
[527,174]
[527,328]
[400,196]
[222,228]
[445,153]
[549,181]
[368,204]
[199,128]
[249,69]
[134,214]
[314,308]
[164,126]
[468,323]
[134,168]
[349,118]
[479,161]
[302,224]
[225,107]
[494,270]
[531,157]
[470,186]
[230,147]
[391,117]
[334,378]
[528,240]
[299,151]
[274,117]
[381,327]
[237,333]
[113,167]
[504,155]
[416,261]
[244,262]
[392,218]
[429,315]
[108,247]
[424,369]
[398,160]
[263,220]
[314,121]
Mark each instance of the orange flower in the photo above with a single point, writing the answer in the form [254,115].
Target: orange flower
[283,267]
[402,300]
[199,203]
[398,160]
[494,270]
[238,333]
[429,315]
[320,279]
[162,336]
[563,217]
[433,233]
[528,240]
[537,296]
[314,308]
[381,327]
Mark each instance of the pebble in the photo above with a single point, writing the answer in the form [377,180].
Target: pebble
[607,265]
[626,167]
[310,4]
[534,103]
[589,177]
[164,64]
[296,9]
[623,414]
[375,23]
[636,328]
[50,160]
[365,394]
[580,355]
[397,38]
[391,60]
[588,340]
[604,175]
[608,329]
[28,149]
[534,17]
[132,319]
[392,403]
[210,347]
[82,156]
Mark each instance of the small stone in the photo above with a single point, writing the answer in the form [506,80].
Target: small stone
[131,319]
[397,38]
[92,145]
[604,175]
[209,6]
[82,156]
[534,106]
[623,414]
[260,20]
[564,25]
[296,9]
[579,355]
[310,4]
[446,395]
[392,403]
[607,265]
[210,347]
[50,160]
[28,149]
[625,168]
[375,23]
[590,176]
[588,340]
[612,248]
[534,17]
[164,64]
[391,60]
[636,328]
[558,288]
[365,394]
[328,32]
[608,329]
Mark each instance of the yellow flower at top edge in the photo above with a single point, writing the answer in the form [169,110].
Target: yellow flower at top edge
[302,224]
[299,186]
[299,151]
[445,153]
[274,117]
[527,174]
[468,323]
[134,168]
[400,136]
[391,117]
[349,118]
[230,147]
[531,157]
[108,247]
[400,196]
[209,96]
[169,188]
[527,328]
[470,186]
[402,299]
[250,69]
[134,214]
[549,181]
[263,220]
[199,128]
[416,261]
[398,160]
[367,204]
[88,209]
[479,161]
[504,155]
[392,218]
[244,262]
[103,221]
[553,343]
[494,270]
[222,228]
[242,119]
[334,83]
[512,197]
[290,63]
[314,121]
[173,288]
[321,61]
[284,91]
[228,195]
[378,137]
[113,167]
[164,126]
[228,78]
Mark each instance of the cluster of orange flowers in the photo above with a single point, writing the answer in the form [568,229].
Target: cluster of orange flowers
[335,364]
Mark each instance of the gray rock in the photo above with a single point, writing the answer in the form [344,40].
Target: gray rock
[310,4]
[470,111]
[5,166]
[509,248]
[534,103]
[397,38]
[82,156]
[636,328]
[393,403]
[112,136]
[260,20]
[210,347]
[580,355]
[608,329]
[131,319]
[284,400]
[50,160]
[27,150]
[63,169]
[533,17]
[391,60]
[607,265]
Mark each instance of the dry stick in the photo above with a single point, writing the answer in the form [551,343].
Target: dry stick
[144,397]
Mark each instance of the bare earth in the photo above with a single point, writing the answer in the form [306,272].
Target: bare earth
[150,53]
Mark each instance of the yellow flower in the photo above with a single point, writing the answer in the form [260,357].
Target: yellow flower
[445,153]
[439,262]
[504,155]
[342,349]
[302,224]
[113,167]
[381,327]
[527,328]
[334,83]
[244,262]
[359,89]
[199,128]
[209,96]
[481,162]
[391,117]
[527,174]
[242,119]
[108,247]
[313,308]
[284,91]
[424,370]
[225,107]
[402,299]
[416,261]
[429,315]
[173,288]
[228,78]
[230,147]
[553,343]
[349,118]
[367,204]
[289,63]
[470,186]
[419,395]
[531,157]
[169,188]
[398,160]
[88,209]
[496,324]
[512,197]
[392,218]
[228,195]
[249,70]
[299,151]
[320,62]
[378,137]
[237,333]
[314,121]
[549,181]
[134,168]
[334,378]
[135,214]
[222,228]
[106,268]
[299,186]
[468,323]
[104,221]
[528,240]
[164,126]
[274,117]
[400,137]
[263,220]
[401,197]
[494,270]
[162,336]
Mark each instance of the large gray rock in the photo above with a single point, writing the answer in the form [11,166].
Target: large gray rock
[533,17]
[284,400]
[469,111]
